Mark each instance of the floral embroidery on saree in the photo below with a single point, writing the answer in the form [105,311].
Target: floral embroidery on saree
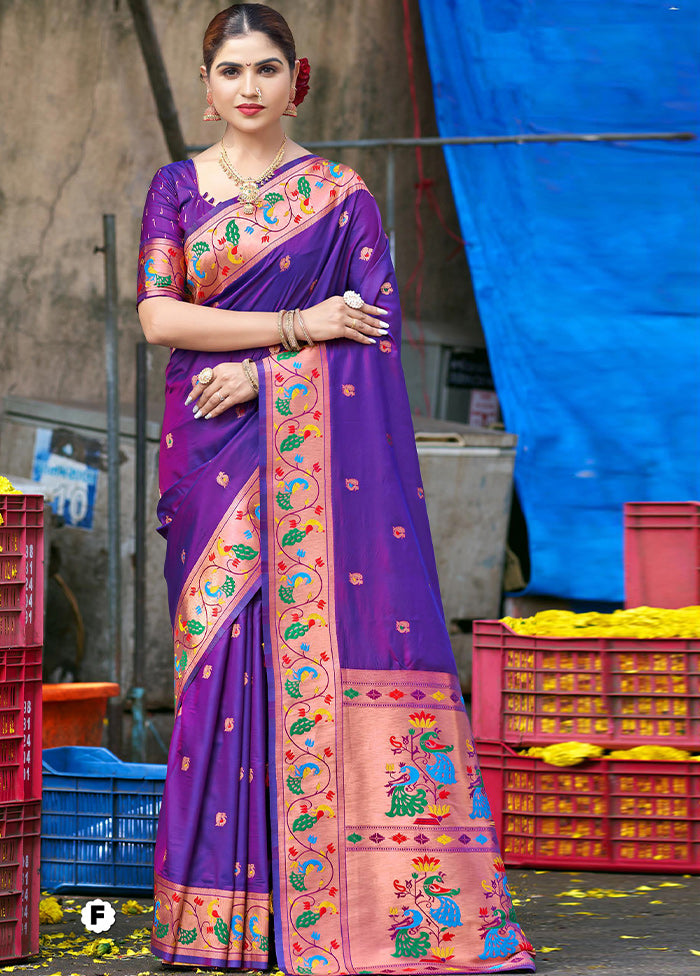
[348,813]
[228,928]
[305,662]
[161,269]
[428,915]
[225,572]
[499,927]
[231,242]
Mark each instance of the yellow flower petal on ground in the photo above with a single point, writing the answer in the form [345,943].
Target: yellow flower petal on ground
[101,947]
[549,949]
[671,884]
[694,952]
[132,907]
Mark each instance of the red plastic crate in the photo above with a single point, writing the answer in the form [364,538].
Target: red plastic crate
[20,724]
[662,554]
[607,815]
[539,690]
[20,872]
[21,570]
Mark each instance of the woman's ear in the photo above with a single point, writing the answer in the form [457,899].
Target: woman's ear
[295,73]
[203,73]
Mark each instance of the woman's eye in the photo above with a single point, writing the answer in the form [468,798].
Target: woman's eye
[230,72]
[268,69]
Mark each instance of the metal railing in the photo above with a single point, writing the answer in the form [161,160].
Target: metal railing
[391,145]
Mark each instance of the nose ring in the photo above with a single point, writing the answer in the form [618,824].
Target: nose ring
[259,93]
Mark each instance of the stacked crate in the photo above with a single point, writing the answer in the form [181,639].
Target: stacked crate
[607,814]
[21,637]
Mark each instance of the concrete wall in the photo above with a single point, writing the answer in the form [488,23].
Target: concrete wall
[80,137]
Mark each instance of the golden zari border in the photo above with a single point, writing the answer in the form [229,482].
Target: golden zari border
[225,573]
[228,928]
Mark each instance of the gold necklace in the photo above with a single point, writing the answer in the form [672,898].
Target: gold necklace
[249,188]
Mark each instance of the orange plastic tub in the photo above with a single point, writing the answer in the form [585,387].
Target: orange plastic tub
[74,713]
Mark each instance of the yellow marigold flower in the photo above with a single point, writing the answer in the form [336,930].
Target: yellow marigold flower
[6,488]
[570,753]
[50,912]
[652,754]
[637,623]
[132,907]
[100,947]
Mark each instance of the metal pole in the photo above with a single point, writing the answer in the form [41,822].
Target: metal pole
[114,603]
[158,77]
[391,202]
[137,691]
[518,139]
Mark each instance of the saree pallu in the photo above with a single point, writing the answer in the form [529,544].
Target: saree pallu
[322,773]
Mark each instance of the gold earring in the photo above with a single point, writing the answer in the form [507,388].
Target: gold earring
[291,108]
[211,115]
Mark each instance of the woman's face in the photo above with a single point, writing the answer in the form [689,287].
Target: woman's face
[242,65]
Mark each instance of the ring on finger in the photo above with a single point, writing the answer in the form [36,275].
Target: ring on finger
[354,323]
[206,375]
[221,396]
[353,299]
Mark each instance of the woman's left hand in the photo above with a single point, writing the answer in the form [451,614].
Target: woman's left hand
[229,386]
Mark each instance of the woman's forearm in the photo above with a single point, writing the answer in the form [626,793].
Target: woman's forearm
[169,322]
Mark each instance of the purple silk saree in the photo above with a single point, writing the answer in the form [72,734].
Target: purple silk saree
[321,772]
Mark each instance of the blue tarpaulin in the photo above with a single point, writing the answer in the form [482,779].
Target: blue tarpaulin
[585,257]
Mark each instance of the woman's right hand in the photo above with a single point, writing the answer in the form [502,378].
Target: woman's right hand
[333,319]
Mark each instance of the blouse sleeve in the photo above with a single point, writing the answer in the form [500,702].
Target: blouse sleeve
[161,271]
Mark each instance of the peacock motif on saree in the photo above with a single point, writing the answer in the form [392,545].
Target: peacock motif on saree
[441,768]
[417,788]
[499,927]
[427,913]
[406,800]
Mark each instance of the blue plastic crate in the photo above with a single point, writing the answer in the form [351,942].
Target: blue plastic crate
[99,819]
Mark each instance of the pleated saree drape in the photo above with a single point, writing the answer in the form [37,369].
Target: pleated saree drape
[321,773]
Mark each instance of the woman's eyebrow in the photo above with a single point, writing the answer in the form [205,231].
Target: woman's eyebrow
[236,64]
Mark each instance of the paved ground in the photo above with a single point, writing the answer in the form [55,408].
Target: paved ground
[604,924]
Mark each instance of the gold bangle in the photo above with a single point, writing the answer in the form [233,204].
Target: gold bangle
[290,333]
[247,365]
[280,329]
[304,331]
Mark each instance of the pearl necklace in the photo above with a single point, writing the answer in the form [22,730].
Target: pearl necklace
[249,188]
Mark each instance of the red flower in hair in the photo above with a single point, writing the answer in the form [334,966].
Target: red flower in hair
[302,85]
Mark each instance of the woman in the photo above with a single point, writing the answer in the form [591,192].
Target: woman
[311,655]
